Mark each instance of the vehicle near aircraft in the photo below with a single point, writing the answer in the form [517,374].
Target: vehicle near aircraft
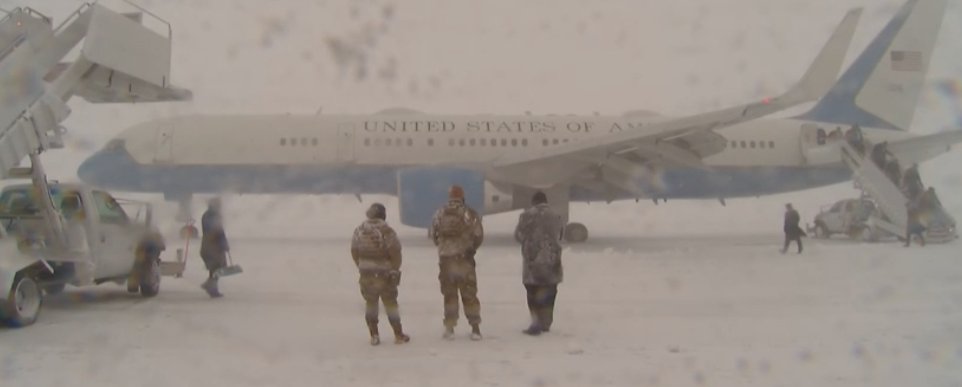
[501,160]
[104,244]
[846,216]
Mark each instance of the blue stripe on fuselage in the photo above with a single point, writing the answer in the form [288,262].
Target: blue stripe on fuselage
[115,169]
[838,106]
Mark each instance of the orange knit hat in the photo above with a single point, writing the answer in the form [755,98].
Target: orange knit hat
[456,192]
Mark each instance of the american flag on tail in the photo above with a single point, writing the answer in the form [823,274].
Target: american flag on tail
[906,60]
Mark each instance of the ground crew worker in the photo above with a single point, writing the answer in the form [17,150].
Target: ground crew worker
[914,225]
[213,245]
[376,251]
[540,230]
[457,232]
[792,231]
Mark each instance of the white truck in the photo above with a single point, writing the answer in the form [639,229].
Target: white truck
[100,242]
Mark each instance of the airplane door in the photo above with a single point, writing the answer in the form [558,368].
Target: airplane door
[345,142]
[164,139]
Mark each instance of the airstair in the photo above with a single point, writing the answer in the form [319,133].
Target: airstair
[891,203]
[120,60]
[892,216]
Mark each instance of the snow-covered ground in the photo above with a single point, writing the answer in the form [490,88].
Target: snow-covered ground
[633,311]
[683,293]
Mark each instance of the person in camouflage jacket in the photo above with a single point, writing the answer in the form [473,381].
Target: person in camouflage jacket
[376,251]
[457,232]
[540,231]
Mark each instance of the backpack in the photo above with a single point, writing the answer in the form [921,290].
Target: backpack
[370,240]
[452,222]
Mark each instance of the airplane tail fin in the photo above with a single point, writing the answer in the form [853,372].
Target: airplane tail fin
[881,88]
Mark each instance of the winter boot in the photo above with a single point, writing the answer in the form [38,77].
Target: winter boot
[533,330]
[375,337]
[448,333]
[475,332]
[399,336]
[210,286]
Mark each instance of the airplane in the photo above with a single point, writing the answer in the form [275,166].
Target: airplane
[500,161]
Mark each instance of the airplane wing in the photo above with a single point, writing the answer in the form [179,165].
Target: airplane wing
[683,141]
[918,149]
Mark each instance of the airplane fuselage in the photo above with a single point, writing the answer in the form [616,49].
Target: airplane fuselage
[363,154]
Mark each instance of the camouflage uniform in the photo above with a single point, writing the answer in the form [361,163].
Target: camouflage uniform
[376,251]
[457,243]
[540,230]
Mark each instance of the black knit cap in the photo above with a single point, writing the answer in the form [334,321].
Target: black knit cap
[539,198]
[377,211]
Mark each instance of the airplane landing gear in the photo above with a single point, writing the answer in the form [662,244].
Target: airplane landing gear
[576,233]
[189,231]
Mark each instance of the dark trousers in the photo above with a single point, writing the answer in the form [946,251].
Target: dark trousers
[541,304]
[915,229]
[792,238]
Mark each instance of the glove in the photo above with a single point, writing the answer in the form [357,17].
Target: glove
[394,276]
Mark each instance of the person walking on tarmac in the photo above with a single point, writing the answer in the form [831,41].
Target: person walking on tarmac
[457,232]
[540,230]
[213,245]
[792,231]
[376,251]
[914,225]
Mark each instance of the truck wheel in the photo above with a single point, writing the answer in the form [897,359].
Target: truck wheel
[821,232]
[24,302]
[150,277]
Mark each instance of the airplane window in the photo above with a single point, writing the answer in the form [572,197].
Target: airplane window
[734,144]
[283,141]
[514,142]
[544,142]
[367,142]
[554,141]
[504,142]
[752,144]
[410,142]
[761,144]
[524,142]
[303,141]
[565,141]
[483,141]
[451,142]
[430,142]
[314,141]
[743,144]
[461,142]
[472,142]
[377,142]
[771,144]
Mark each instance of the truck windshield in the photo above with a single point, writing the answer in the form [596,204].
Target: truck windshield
[21,201]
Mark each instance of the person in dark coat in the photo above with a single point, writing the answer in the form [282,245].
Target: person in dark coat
[855,139]
[213,245]
[540,231]
[879,155]
[792,231]
[894,171]
[912,182]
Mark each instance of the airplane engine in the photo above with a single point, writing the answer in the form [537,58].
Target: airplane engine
[421,191]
